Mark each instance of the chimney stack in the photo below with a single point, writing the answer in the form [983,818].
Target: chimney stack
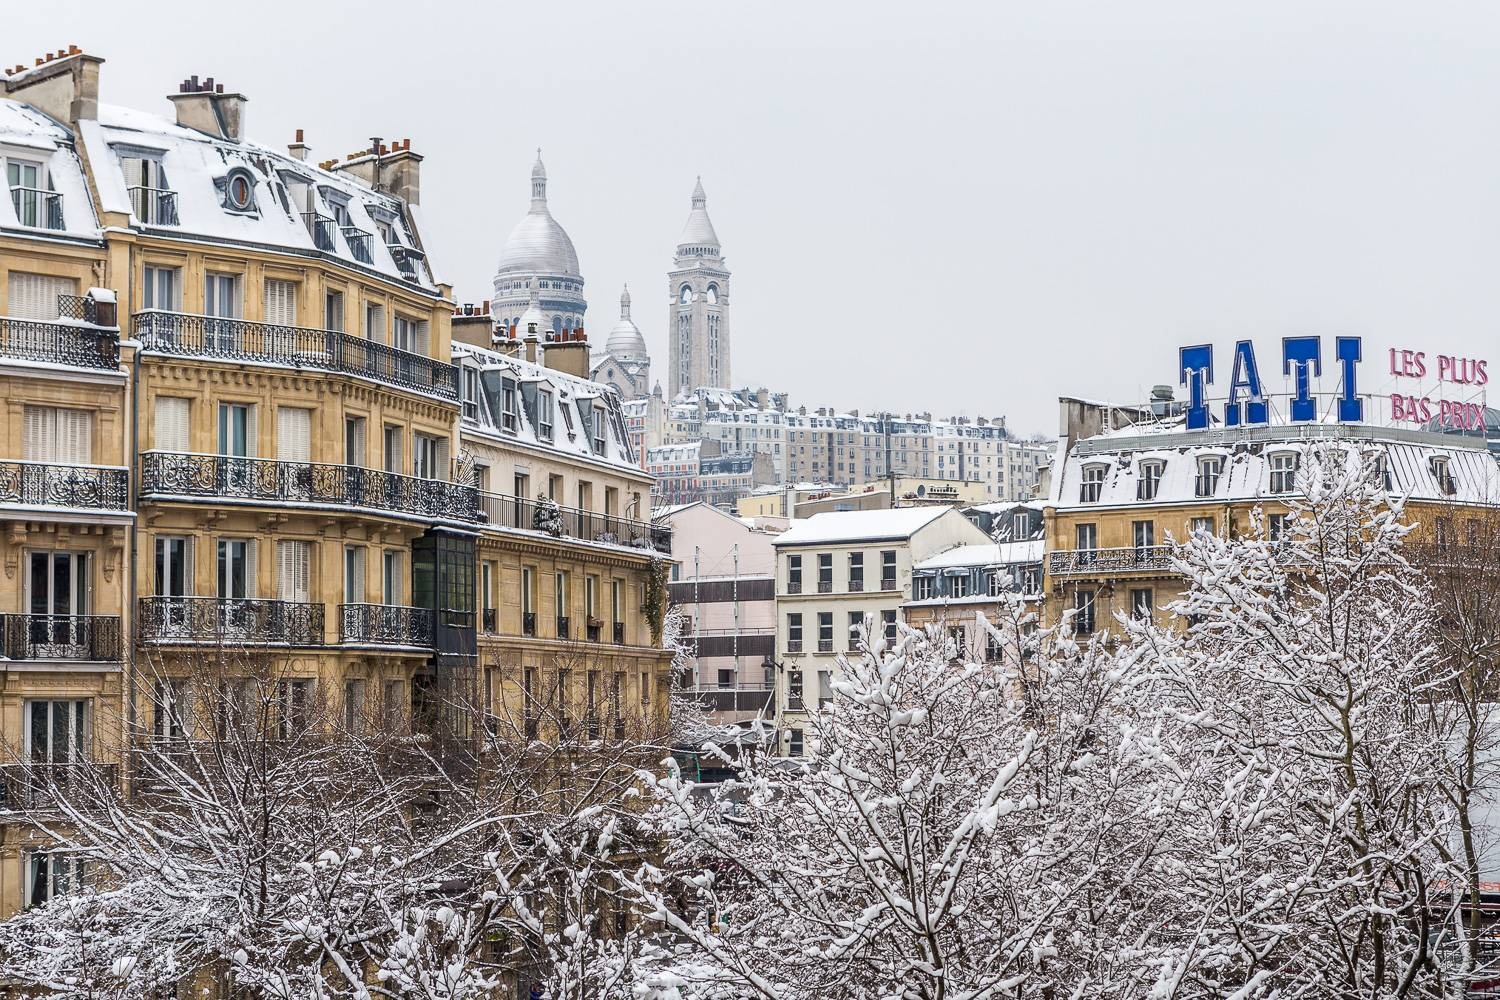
[205,108]
[297,148]
[64,84]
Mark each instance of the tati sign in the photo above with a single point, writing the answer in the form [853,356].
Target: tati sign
[1302,362]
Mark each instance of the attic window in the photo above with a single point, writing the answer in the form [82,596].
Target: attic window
[1092,486]
[239,191]
[508,409]
[1150,479]
[1210,468]
[1283,471]
[598,430]
[471,393]
[544,415]
[1443,475]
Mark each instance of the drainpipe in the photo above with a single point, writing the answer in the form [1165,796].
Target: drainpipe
[132,493]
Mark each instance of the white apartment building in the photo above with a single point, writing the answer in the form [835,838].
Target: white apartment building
[834,572]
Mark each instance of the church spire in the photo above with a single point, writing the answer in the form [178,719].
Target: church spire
[700,200]
[538,182]
[625,303]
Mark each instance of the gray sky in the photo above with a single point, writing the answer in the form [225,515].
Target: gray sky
[968,208]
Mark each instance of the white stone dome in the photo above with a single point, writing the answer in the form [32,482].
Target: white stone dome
[698,232]
[625,340]
[538,245]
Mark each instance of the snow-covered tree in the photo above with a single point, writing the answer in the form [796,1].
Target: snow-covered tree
[1304,708]
[288,848]
[959,830]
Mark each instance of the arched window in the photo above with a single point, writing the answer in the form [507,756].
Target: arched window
[685,294]
[557,324]
[711,294]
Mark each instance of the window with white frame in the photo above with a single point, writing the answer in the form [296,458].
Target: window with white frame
[55,434]
[36,203]
[281,302]
[509,410]
[544,414]
[162,288]
[50,874]
[34,296]
[1210,468]
[1092,486]
[428,456]
[958,585]
[1149,482]
[470,392]
[1442,474]
[922,587]
[1283,471]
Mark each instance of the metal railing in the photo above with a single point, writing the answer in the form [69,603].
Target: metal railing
[825,586]
[593,631]
[794,645]
[37,208]
[405,258]
[888,583]
[218,477]
[79,307]
[296,347]
[528,623]
[59,344]
[794,587]
[387,625]
[61,637]
[502,510]
[825,645]
[359,243]
[320,227]
[856,586]
[83,487]
[230,620]
[153,206]
[1088,562]
[39,786]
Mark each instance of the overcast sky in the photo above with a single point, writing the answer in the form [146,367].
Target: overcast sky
[968,208]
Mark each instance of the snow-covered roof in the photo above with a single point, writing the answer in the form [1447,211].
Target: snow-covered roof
[196,167]
[1246,458]
[860,525]
[996,554]
[28,134]
[572,432]
[1001,506]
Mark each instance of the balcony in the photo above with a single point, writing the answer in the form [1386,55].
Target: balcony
[594,630]
[61,637]
[794,645]
[1104,562]
[36,208]
[59,344]
[230,621]
[825,586]
[190,335]
[359,243]
[153,206]
[39,786]
[77,487]
[504,511]
[747,697]
[321,228]
[856,586]
[310,484]
[405,257]
[387,625]
[888,583]
[794,587]
[825,645]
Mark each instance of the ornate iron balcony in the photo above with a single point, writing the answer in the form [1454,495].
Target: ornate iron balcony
[825,645]
[321,228]
[295,347]
[359,243]
[856,586]
[62,637]
[153,206]
[386,625]
[888,583]
[231,621]
[1100,562]
[794,645]
[502,510]
[38,787]
[82,487]
[825,586]
[37,208]
[218,477]
[794,587]
[59,344]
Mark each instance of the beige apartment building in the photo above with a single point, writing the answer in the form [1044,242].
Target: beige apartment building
[836,572]
[237,421]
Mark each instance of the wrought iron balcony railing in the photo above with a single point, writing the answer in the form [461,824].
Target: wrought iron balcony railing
[39,786]
[405,257]
[153,206]
[825,586]
[825,645]
[386,625]
[504,511]
[888,583]
[59,344]
[79,487]
[359,243]
[219,477]
[321,228]
[794,586]
[295,347]
[856,586]
[61,637]
[794,645]
[594,631]
[1097,562]
[37,208]
[235,621]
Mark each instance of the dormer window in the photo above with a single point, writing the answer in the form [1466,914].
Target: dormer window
[1019,529]
[1092,486]
[31,194]
[471,393]
[1443,475]
[1150,479]
[237,191]
[544,414]
[152,201]
[1210,468]
[1283,471]
[509,412]
[1381,473]
[598,430]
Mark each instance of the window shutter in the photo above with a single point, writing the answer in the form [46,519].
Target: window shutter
[171,424]
[75,438]
[419,339]
[281,302]
[34,296]
[38,423]
[293,434]
[293,559]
